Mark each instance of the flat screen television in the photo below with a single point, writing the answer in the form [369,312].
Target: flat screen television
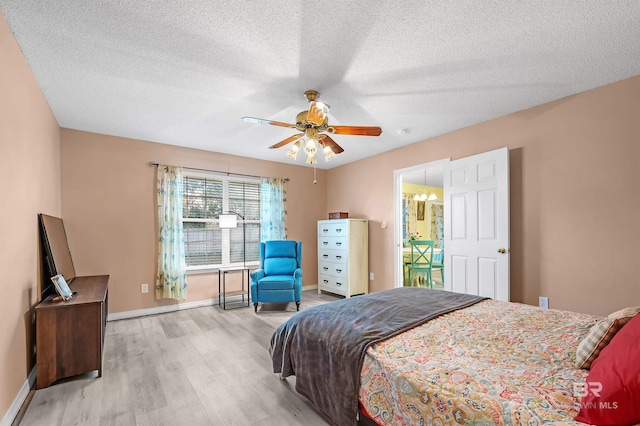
[57,256]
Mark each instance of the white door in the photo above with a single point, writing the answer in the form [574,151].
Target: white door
[476,224]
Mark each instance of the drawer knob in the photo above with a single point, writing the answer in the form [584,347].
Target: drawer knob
[325,230]
[325,255]
[338,257]
[326,281]
[338,229]
[338,270]
[338,284]
[324,243]
[338,243]
[325,268]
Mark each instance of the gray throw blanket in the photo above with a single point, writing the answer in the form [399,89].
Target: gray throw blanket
[324,346]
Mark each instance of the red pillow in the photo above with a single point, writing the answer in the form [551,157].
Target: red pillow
[611,395]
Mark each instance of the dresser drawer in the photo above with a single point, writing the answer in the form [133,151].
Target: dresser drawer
[332,242]
[333,256]
[333,269]
[332,284]
[332,229]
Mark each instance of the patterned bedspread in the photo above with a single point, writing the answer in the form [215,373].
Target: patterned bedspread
[491,363]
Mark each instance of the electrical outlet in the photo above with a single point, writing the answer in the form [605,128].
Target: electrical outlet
[371,276]
[144,288]
[543,302]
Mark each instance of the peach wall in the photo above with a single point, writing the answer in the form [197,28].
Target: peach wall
[29,184]
[108,204]
[575,198]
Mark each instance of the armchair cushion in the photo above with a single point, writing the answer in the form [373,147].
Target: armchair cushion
[277,282]
[280,248]
[280,266]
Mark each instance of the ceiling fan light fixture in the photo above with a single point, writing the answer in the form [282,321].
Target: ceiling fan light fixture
[310,147]
[328,153]
[317,113]
[293,151]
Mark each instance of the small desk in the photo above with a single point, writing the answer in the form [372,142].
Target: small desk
[222,282]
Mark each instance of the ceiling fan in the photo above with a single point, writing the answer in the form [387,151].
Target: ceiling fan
[314,126]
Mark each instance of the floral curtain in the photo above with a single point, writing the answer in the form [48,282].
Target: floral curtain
[273,209]
[437,225]
[171,277]
[409,222]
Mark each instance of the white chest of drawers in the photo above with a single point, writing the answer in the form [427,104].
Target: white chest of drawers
[343,256]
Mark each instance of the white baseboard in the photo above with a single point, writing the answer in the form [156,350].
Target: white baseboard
[177,307]
[11,414]
[161,309]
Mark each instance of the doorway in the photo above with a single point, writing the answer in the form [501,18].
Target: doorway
[419,212]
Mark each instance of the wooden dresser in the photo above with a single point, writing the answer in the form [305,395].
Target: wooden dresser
[70,334]
[343,256]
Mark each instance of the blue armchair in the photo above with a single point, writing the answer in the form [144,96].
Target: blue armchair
[279,278]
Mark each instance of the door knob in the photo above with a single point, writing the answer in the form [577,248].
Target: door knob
[502,250]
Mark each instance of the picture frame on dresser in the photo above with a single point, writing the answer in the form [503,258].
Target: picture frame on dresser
[62,287]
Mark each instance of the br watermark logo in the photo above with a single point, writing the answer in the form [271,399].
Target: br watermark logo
[593,389]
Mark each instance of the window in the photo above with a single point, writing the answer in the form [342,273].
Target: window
[207,196]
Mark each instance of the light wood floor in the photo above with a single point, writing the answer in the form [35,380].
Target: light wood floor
[201,366]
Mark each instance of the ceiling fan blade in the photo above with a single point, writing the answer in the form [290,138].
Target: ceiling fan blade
[287,140]
[326,140]
[355,130]
[263,121]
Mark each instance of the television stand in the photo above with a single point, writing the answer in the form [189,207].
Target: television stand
[70,334]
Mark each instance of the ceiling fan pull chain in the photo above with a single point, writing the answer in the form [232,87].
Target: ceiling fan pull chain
[315,181]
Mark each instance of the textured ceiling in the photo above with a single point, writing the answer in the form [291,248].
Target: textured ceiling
[185,72]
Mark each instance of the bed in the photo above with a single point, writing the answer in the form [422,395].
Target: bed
[491,363]
[413,356]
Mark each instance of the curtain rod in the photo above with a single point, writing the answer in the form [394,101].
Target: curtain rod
[154,164]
